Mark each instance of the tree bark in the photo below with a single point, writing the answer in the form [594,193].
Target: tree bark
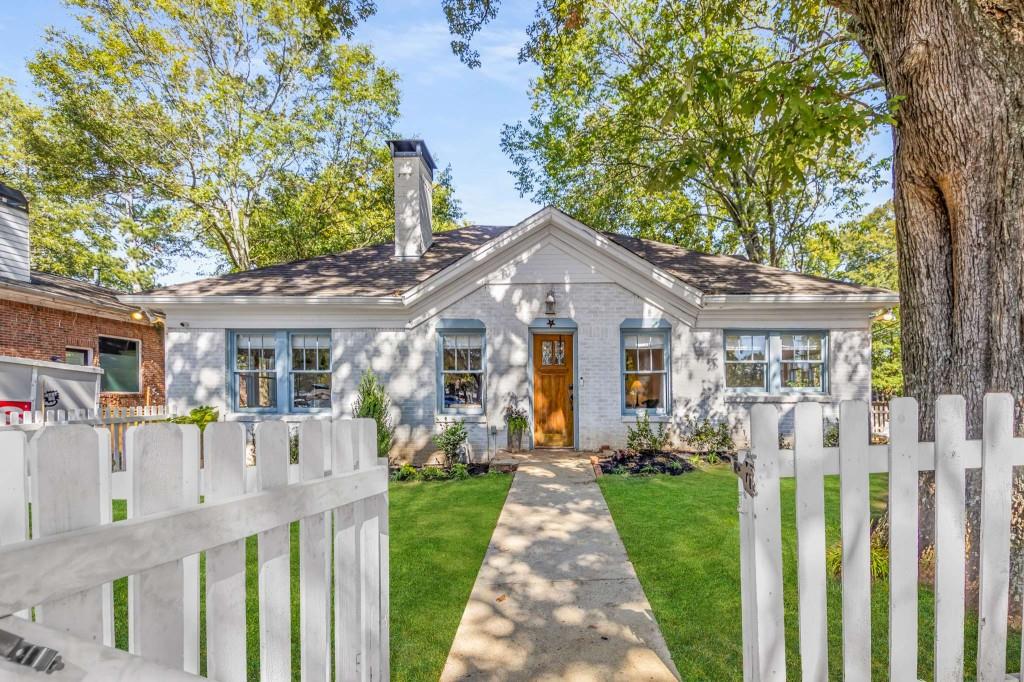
[956,68]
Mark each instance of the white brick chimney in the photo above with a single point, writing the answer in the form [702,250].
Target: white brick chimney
[414,188]
[13,235]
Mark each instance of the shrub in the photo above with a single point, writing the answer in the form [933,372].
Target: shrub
[372,402]
[433,474]
[406,472]
[709,439]
[643,438]
[831,433]
[200,416]
[458,472]
[879,554]
[451,441]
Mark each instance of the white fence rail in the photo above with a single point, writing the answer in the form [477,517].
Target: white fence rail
[117,420]
[764,641]
[64,572]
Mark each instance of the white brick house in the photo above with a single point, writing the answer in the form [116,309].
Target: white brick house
[586,328]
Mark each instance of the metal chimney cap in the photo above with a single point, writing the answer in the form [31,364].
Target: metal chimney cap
[412,148]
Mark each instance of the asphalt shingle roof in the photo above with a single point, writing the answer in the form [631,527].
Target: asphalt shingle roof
[70,290]
[374,271]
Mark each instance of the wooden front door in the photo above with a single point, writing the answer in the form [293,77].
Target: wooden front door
[552,391]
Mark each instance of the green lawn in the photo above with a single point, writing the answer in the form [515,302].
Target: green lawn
[439,533]
[682,535]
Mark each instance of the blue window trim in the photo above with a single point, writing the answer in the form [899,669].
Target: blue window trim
[651,327]
[282,370]
[453,327]
[773,338]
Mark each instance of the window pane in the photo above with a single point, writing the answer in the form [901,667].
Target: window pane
[323,358]
[645,360]
[745,375]
[119,359]
[658,359]
[802,375]
[265,359]
[805,347]
[644,391]
[256,390]
[449,358]
[76,356]
[745,347]
[463,355]
[632,364]
[462,389]
[311,390]
[476,358]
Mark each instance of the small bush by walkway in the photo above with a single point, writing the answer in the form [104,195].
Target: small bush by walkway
[682,535]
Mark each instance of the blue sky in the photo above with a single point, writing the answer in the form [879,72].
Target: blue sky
[458,111]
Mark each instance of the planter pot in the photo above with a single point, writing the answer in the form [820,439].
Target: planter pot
[515,441]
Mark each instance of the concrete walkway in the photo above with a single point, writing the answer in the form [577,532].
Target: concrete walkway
[556,597]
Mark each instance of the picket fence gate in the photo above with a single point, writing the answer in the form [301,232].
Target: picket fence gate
[65,571]
[764,643]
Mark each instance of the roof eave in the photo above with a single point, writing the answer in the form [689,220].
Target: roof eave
[874,298]
[261,299]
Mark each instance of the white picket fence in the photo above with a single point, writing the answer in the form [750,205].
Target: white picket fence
[116,419]
[65,571]
[764,641]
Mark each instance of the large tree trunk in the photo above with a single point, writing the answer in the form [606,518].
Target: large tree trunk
[957,67]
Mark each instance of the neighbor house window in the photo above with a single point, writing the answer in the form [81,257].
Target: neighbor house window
[119,359]
[76,356]
[462,371]
[645,371]
[280,371]
[776,361]
[256,371]
[746,361]
[311,371]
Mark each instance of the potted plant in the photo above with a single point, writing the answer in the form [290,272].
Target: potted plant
[516,422]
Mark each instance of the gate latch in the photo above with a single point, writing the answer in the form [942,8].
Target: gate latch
[745,471]
[17,650]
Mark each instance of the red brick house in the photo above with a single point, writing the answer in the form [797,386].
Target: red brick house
[49,318]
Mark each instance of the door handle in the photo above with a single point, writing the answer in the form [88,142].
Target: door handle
[571,396]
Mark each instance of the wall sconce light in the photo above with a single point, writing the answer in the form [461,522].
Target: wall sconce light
[549,307]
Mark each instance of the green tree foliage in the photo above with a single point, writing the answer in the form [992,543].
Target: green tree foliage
[864,251]
[726,126]
[80,219]
[246,125]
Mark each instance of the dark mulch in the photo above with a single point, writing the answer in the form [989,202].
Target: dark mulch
[627,461]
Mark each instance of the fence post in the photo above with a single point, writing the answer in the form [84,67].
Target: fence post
[994,566]
[347,521]
[162,603]
[369,558]
[808,461]
[761,535]
[903,586]
[272,441]
[314,563]
[855,519]
[224,448]
[71,490]
[950,544]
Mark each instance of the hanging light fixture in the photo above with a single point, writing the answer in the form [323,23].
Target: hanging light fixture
[549,307]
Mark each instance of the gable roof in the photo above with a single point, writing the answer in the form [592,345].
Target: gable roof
[375,272]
